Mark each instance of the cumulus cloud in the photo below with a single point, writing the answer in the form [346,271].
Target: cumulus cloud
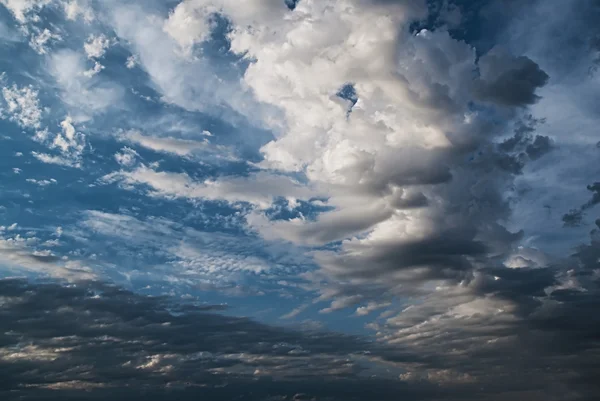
[508,80]
[193,83]
[126,157]
[79,8]
[412,174]
[96,46]
[40,40]
[22,106]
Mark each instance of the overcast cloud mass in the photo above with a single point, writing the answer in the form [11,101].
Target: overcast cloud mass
[337,200]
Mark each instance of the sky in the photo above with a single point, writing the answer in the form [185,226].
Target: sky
[370,200]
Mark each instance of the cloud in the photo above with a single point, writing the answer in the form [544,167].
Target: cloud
[189,253]
[41,183]
[19,255]
[540,146]
[96,46]
[400,169]
[126,157]
[198,83]
[508,80]
[22,106]
[260,189]
[39,42]
[181,147]
[22,8]
[75,8]
[575,216]
[188,352]
[131,62]
[50,159]
[94,70]
[84,93]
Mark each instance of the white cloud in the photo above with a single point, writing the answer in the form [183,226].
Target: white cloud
[70,142]
[370,307]
[193,83]
[194,253]
[41,183]
[96,46]
[22,106]
[39,42]
[75,8]
[394,169]
[187,25]
[85,96]
[94,70]
[131,61]
[259,189]
[22,8]
[50,159]
[126,157]
[181,147]
[16,254]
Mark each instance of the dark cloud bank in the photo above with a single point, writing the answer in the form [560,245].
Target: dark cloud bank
[89,341]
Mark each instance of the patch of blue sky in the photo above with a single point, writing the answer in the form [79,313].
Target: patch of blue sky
[284,209]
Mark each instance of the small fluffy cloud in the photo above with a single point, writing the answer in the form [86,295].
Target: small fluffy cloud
[96,46]
[41,183]
[94,70]
[76,8]
[68,142]
[131,62]
[126,157]
[40,41]
[22,106]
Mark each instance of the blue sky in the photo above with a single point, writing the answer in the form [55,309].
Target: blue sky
[417,178]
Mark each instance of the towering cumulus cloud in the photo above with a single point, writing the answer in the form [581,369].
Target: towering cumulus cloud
[419,174]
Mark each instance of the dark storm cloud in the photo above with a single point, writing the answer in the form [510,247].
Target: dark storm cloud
[93,341]
[90,341]
[529,333]
[540,146]
[509,81]
[574,217]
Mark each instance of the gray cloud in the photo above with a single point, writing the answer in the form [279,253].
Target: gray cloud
[509,81]
[89,340]
[574,217]
[540,146]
